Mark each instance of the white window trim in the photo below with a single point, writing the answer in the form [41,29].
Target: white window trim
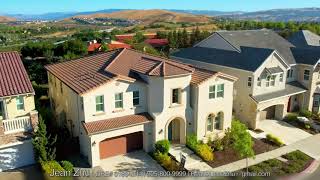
[249,83]
[20,103]
[217,90]
[281,77]
[134,98]
[304,75]
[273,80]
[259,82]
[212,92]
[102,103]
[119,100]
[179,96]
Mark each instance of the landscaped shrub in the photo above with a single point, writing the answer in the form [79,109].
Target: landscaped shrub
[205,152]
[166,161]
[217,145]
[255,169]
[292,117]
[274,139]
[49,166]
[162,146]
[66,165]
[274,163]
[305,113]
[192,142]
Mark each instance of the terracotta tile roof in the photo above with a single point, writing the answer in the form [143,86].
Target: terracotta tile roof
[118,122]
[90,72]
[14,79]
[118,45]
[131,60]
[157,42]
[85,73]
[94,46]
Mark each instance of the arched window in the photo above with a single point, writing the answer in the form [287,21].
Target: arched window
[210,123]
[218,123]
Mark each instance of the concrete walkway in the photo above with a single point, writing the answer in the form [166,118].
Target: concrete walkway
[310,146]
[286,132]
[193,161]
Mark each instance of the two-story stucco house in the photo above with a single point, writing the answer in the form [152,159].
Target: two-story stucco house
[18,117]
[124,100]
[275,76]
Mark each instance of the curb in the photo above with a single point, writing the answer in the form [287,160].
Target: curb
[310,169]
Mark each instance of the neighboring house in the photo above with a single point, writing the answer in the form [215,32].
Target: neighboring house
[157,43]
[275,77]
[123,100]
[305,39]
[18,117]
[118,45]
[94,47]
[126,37]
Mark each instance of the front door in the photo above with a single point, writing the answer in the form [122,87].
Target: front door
[174,131]
[170,132]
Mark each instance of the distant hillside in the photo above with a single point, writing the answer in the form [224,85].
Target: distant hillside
[302,14]
[6,19]
[150,16]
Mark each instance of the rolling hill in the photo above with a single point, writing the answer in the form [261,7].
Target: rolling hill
[301,14]
[150,16]
[6,19]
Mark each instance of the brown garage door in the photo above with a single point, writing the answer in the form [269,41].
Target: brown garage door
[121,145]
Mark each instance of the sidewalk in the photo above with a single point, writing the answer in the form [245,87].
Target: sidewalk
[193,162]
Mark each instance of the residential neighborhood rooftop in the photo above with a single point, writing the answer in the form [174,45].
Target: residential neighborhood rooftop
[14,79]
[305,38]
[118,122]
[89,72]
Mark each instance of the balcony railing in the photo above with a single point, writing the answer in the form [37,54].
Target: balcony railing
[21,124]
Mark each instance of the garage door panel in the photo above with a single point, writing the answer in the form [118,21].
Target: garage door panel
[16,156]
[121,145]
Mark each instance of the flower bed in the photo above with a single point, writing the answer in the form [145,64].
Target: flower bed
[292,119]
[229,155]
[297,162]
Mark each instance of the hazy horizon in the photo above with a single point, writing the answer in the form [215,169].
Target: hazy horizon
[72,6]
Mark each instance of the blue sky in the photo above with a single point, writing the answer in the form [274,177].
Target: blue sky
[43,6]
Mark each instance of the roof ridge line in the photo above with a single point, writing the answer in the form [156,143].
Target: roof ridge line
[153,69]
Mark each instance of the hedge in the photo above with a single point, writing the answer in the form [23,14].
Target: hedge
[162,146]
[49,166]
[274,139]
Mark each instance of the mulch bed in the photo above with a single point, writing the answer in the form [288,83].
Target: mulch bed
[301,126]
[228,155]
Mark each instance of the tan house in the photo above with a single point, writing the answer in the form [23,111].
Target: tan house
[275,76]
[123,100]
[18,117]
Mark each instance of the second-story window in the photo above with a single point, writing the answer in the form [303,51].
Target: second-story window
[249,81]
[20,103]
[212,92]
[290,73]
[175,96]
[118,100]
[268,81]
[100,103]
[306,75]
[281,77]
[220,90]
[273,80]
[259,81]
[136,98]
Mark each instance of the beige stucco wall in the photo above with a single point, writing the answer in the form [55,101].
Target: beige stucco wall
[11,106]
[65,105]
[109,90]
[204,106]
[272,61]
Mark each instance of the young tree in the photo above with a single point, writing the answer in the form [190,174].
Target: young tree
[43,149]
[242,141]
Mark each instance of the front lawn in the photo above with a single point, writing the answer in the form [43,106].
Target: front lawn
[296,162]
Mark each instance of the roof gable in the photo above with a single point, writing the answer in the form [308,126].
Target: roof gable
[305,38]
[14,79]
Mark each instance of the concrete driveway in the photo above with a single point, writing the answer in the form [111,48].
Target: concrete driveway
[138,160]
[286,132]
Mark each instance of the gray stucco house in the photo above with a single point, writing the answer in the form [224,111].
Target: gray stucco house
[275,76]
